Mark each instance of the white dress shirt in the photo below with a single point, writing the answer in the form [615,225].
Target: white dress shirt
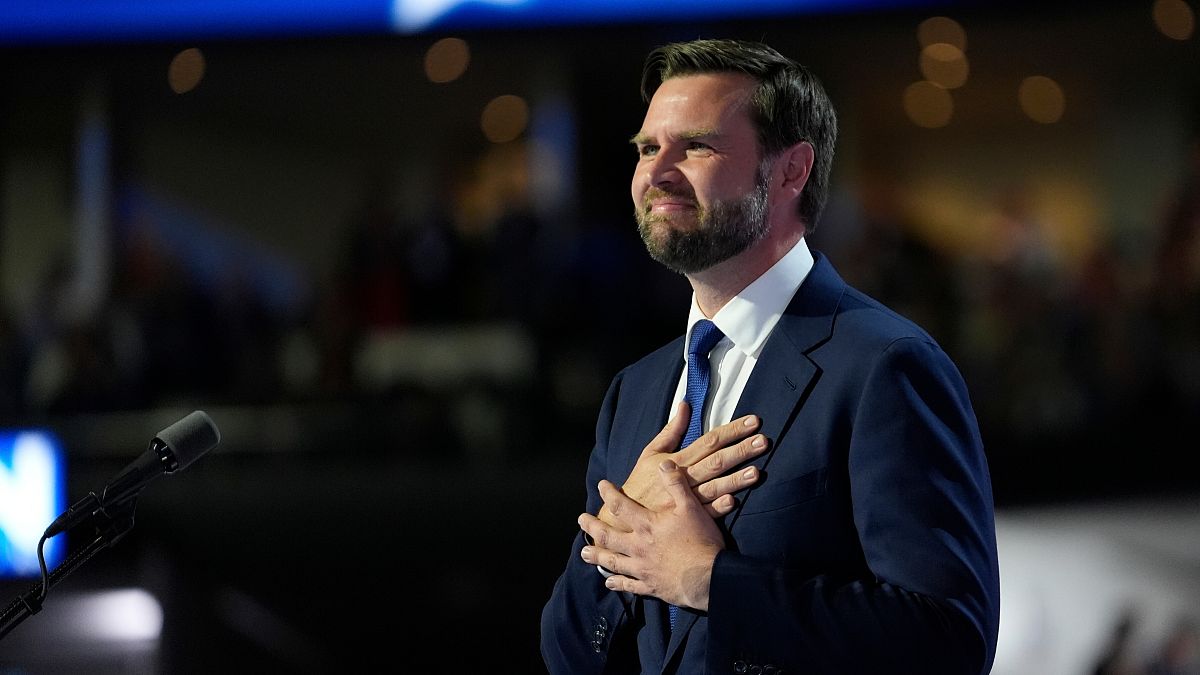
[747,321]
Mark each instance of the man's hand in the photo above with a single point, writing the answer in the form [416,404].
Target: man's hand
[705,463]
[668,554]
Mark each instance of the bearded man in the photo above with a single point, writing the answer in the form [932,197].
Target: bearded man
[798,483]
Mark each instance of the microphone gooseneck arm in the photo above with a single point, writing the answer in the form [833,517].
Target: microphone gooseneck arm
[111,512]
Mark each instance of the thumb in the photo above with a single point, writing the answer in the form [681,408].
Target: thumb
[671,435]
[675,480]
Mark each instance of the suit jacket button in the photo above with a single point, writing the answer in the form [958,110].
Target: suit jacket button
[756,670]
[739,667]
[770,669]
[603,623]
[596,646]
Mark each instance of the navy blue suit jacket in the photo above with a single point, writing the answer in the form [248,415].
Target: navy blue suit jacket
[868,546]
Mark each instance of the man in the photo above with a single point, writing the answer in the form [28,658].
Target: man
[860,537]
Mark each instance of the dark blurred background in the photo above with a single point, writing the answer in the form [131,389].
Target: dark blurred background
[398,267]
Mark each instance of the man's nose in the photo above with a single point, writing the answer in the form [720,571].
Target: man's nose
[663,170]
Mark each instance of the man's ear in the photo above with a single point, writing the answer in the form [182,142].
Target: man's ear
[796,164]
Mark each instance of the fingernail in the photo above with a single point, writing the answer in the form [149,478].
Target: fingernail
[586,554]
[759,442]
[610,583]
[748,473]
[749,421]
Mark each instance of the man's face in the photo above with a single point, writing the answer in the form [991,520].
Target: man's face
[699,194]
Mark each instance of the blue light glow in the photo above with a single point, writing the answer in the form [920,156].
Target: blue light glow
[32,494]
[105,21]
[29,22]
[415,16]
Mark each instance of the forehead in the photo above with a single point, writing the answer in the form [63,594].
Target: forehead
[717,101]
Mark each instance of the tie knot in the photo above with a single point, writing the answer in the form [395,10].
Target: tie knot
[705,336]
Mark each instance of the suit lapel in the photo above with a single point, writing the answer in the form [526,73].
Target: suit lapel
[684,622]
[657,396]
[784,374]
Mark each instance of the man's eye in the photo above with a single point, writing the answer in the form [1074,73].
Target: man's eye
[647,150]
[696,146]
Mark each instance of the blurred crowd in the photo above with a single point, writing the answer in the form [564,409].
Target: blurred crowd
[1070,367]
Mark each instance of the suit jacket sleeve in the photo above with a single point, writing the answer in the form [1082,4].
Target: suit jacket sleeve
[928,601]
[582,615]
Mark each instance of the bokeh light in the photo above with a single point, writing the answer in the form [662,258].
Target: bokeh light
[186,70]
[937,29]
[945,65]
[928,105]
[504,118]
[1042,99]
[446,60]
[1174,18]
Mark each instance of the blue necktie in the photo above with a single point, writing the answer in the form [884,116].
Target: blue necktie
[705,336]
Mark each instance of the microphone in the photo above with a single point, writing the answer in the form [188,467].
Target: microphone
[172,450]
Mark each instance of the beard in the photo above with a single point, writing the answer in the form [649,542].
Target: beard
[723,229]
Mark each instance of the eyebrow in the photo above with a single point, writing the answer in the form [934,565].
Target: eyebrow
[689,135]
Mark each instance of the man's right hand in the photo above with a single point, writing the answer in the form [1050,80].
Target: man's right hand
[707,463]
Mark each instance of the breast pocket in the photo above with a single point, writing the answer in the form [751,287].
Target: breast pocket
[774,495]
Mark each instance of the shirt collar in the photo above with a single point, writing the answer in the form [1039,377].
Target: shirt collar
[747,319]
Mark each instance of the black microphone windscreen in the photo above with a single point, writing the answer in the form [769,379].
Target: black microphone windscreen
[190,437]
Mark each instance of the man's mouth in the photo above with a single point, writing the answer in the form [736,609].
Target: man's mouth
[662,203]
[671,206]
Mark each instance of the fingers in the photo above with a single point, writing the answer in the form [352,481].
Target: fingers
[715,440]
[676,482]
[671,436]
[617,510]
[606,515]
[606,541]
[622,508]
[721,506]
[725,459]
[710,491]
[612,561]
[604,538]
[628,584]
